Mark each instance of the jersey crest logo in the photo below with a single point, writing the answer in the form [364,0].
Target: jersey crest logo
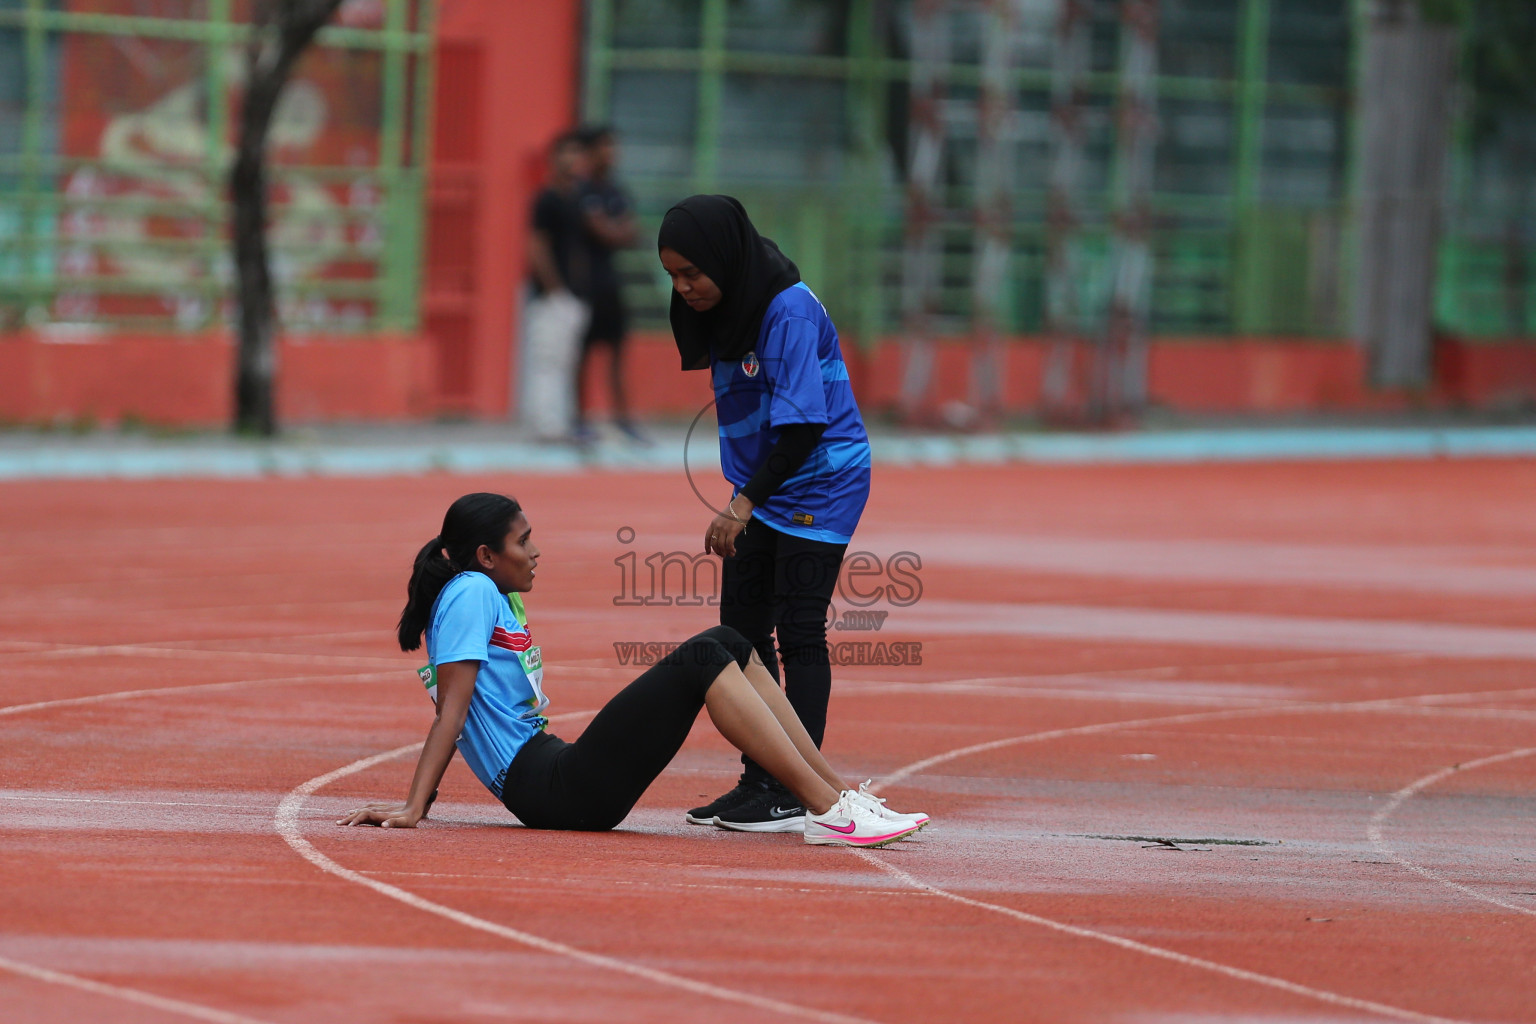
[750,365]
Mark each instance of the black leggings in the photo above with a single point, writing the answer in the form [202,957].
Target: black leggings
[593,783]
[777,582]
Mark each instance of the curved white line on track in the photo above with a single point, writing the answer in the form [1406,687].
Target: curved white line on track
[1237,973]
[1419,704]
[287,824]
[104,698]
[1402,705]
[1373,831]
[131,995]
[906,771]
[203,653]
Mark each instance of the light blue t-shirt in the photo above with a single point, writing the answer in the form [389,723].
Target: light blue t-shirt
[473,621]
[796,374]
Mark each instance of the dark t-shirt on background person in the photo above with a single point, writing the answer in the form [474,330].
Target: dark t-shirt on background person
[607,198]
[609,322]
[558,216]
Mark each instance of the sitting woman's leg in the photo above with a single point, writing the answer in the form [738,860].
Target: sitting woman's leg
[743,714]
[750,661]
[768,689]
[595,781]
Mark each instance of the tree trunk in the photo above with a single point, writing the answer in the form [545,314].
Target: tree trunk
[257,356]
[283,30]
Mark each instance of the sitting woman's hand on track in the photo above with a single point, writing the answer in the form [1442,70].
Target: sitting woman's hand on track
[383,815]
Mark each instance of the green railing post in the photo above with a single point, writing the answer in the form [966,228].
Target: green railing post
[216,86]
[1252,69]
[1354,187]
[1251,278]
[711,79]
[866,118]
[397,294]
[35,255]
[412,208]
[594,99]
[426,85]
[1450,305]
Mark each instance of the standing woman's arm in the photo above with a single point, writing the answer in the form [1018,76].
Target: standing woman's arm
[795,444]
[455,687]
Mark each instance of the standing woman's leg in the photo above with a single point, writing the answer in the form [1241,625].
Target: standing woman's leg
[805,574]
[747,605]
[747,590]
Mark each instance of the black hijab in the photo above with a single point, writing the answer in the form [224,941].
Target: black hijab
[715,235]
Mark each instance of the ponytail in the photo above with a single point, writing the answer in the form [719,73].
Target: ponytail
[473,520]
[429,575]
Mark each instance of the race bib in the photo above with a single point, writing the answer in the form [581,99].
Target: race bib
[533,668]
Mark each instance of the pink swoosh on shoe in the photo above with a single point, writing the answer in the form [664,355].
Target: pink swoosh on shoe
[846,830]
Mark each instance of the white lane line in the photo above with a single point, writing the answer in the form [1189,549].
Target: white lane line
[1416,705]
[1467,570]
[1373,831]
[1237,973]
[1058,693]
[1165,626]
[287,824]
[103,698]
[24,797]
[547,883]
[47,646]
[916,767]
[1398,705]
[131,995]
[146,651]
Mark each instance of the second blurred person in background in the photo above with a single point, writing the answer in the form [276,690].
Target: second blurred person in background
[608,223]
[558,311]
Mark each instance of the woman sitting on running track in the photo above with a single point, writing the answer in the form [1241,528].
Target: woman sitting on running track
[464,595]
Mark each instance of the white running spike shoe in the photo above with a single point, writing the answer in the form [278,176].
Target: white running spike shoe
[850,822]
[877,804]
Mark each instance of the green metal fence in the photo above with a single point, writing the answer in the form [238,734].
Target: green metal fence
[799,107]
[115,138]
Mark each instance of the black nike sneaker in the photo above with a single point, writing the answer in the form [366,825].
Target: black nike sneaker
[745,790]
[771,809]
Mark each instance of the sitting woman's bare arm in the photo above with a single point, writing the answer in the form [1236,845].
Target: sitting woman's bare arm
[455,686]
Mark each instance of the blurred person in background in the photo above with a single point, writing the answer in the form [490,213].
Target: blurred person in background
[608,222]
[559,308]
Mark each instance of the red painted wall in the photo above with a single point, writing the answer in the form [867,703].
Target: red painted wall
[1193,375]
[506,86]
[186,380]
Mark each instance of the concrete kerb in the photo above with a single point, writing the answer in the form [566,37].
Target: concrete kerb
[387,451]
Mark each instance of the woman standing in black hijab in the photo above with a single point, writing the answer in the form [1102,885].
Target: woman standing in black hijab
[793,448]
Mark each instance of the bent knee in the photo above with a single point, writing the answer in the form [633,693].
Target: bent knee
[738,647]
[697,663]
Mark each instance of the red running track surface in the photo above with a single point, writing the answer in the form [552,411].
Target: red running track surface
[1237,743]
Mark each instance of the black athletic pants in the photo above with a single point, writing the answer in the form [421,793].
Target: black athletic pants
[593,783]
[779,583]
